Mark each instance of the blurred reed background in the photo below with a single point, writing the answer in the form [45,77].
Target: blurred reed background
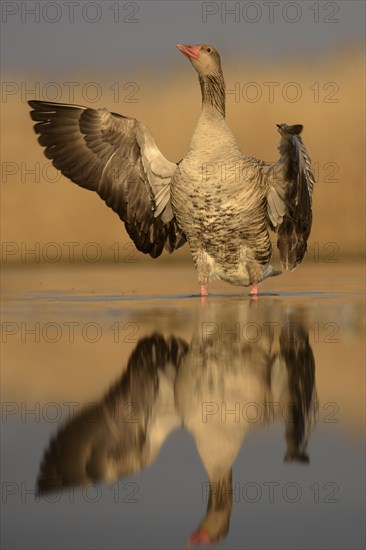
[324,91]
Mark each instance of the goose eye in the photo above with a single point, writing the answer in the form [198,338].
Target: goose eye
[208,50]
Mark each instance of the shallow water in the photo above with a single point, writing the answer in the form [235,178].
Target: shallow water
[229,376]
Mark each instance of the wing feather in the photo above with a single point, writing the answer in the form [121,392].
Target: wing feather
[290,184]
[116,157]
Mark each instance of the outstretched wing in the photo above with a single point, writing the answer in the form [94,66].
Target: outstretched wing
[117,157]
[289,196]
[117,435]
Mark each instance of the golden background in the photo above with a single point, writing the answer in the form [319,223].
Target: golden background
[44,207]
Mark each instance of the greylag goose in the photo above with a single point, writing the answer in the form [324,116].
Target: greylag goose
[228,386]
[219,200]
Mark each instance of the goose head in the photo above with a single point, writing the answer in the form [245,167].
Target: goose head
[204,58]
[212,530]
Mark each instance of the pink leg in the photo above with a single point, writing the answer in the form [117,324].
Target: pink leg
[204,291]
[254,290]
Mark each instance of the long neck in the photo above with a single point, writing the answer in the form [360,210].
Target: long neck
[220,502]
[221,496]
[213,91]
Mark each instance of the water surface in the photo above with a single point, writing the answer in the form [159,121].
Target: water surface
[122,391]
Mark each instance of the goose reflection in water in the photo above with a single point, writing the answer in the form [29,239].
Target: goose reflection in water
[204,387]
